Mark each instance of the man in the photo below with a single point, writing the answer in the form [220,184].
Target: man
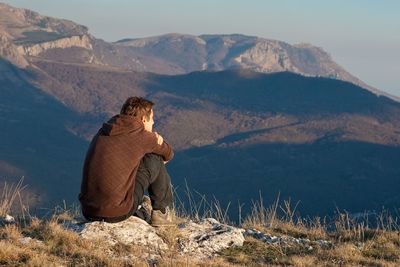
[124,159]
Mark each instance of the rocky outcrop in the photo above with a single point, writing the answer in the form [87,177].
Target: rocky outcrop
[267,56]
[285,240]
[74,41]
[207,237]
[10,52]
[200,240]
[131,231]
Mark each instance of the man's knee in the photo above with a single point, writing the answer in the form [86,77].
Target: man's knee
[151,164]
[153,159]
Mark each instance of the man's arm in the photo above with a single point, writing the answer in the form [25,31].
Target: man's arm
[160,139]
[155,144]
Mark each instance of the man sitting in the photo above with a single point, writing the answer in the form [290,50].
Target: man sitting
[124,159]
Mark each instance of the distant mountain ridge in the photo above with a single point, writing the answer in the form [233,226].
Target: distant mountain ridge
[220,52]
[26,35]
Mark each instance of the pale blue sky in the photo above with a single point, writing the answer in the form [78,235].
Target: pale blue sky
[361,35]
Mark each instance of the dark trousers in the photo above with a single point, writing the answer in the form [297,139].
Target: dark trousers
[152,176]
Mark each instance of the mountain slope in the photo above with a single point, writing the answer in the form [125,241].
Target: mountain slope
[231,102]
[241,132]
[26,35]
[36,142]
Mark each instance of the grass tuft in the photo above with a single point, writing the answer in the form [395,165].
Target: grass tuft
[8,196]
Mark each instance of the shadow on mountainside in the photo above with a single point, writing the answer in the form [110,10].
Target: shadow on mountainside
[36,140]
[282,92]
[324,175]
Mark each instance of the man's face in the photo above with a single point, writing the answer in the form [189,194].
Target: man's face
[148,124]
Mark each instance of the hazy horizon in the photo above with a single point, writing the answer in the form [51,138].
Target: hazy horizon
[361,36]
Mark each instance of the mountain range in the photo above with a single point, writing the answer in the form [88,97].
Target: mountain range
[245,114]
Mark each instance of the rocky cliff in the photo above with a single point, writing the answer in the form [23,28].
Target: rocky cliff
[26,34]
[10,52]
[62,43]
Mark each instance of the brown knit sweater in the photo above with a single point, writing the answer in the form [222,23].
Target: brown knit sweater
[111,164]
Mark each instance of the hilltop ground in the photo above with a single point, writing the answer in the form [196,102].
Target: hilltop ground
[270,239]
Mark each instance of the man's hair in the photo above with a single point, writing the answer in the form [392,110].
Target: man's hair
[137,107]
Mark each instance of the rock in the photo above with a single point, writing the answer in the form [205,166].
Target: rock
[287,240]
[9,51]
[206,238]
[131,231]
[7,219]
[199,240]
[27,240]
[67,42]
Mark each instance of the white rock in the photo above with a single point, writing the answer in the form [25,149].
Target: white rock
[131,231]
[7,219]
[198,240]
[208,237]
[27,240]
[73,41]
[286,240]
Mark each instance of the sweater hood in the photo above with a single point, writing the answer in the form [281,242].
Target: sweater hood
[122,124]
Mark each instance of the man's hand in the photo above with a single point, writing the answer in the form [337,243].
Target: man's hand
[160,139]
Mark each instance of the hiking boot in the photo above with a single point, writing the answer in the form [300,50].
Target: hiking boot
[146,204]
[144,210]
[159,218]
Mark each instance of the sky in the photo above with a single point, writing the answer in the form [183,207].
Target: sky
[363,36]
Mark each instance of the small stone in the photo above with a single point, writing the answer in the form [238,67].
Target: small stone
[26,240]
[250,232]
[8,219]
[274,239]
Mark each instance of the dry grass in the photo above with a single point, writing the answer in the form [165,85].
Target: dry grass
[197,206]
[36,242]
[8,196]
[256,253]
[50,245]
[379,251]
[356,242]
